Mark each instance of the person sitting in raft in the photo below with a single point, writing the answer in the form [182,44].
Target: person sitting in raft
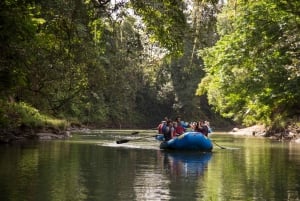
[178,130]
[161,127]
[196,126]
[184,125]
[168,132]
[193,126]
[201,127]
[208,126]
[180,127]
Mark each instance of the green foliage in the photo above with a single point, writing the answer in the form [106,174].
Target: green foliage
[253,72]
[17,31]
[187,70]
[89,60]
[171,20]
[21,114]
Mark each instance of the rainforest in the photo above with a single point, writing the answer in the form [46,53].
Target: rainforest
[130,63]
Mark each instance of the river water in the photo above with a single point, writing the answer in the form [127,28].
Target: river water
[91,166]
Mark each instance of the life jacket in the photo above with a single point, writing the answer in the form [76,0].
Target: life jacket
[179,130]
[164,128]
[168,133]
[204,130]
[161,128]
[174,133]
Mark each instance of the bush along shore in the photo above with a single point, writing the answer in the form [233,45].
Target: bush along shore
[20,121]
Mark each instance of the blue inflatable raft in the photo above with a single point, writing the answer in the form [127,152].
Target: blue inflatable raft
[188,141]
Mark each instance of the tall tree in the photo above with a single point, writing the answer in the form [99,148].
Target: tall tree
[58,65]
[189,26]
[253,71]
[187,70]
[18,24]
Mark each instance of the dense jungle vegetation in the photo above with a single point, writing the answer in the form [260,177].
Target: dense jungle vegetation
[110,63]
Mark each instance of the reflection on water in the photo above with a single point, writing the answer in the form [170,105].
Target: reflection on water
[95,168]
[172,168]
[185,164]
[186,173]
[150,185]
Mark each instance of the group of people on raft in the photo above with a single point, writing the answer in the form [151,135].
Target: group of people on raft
[171,129]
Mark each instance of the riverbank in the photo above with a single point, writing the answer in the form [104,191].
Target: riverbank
[20,121]
[26,133]
[291,133]
[257,130]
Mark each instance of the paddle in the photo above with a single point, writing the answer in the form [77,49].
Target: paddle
[124,140]
[218,145]
[127,140]
[134,133]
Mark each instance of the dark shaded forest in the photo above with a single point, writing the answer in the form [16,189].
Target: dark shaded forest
[128,64]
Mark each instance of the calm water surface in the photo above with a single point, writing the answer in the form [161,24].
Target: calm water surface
[93,167]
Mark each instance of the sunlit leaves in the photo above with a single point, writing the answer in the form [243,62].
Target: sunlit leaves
[253,65]
[165,21]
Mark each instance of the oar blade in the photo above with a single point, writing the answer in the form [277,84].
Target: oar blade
[122,141]
[218,145]
[126,140]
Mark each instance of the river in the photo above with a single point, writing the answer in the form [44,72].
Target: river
[92,167]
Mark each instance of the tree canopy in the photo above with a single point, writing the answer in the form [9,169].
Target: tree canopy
[252,73]
[131,63]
